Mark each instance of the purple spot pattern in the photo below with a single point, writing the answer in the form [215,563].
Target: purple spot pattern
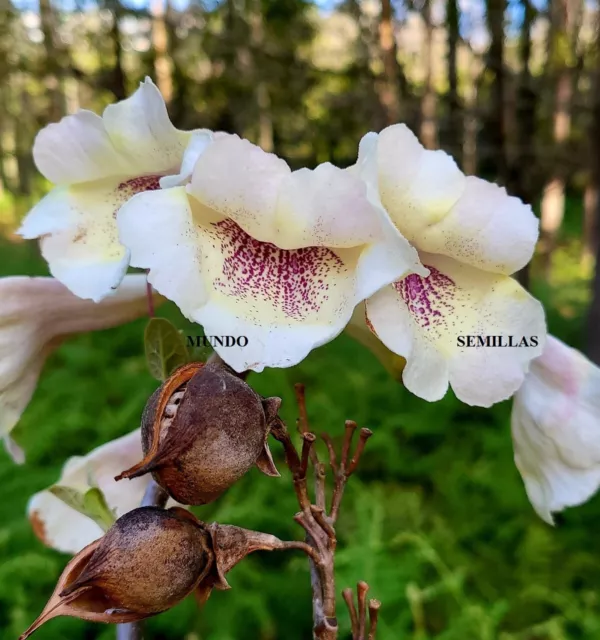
[297,282]
[430,300]
[129,188]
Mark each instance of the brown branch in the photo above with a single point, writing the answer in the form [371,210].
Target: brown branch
[358,620]
[303,427]
[374,606]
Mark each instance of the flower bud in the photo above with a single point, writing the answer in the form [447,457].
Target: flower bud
[146,563]
[202,430]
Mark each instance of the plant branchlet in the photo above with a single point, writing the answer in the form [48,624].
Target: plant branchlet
[314,518]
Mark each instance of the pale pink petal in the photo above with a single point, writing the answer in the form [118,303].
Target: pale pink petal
[556,429]
[35,316]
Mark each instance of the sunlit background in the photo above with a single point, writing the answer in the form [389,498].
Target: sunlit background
[437,521]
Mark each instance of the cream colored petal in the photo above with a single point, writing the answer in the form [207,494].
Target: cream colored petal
[35,316]
[64,529]
[78,149]
[78,231]
[486,229]
[140,129]
[418,188]
[429,320]
[282,302]
[324,207]
[242,182]
[197,145]
[440,210]
[556,429]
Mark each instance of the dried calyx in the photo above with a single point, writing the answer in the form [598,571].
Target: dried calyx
[202,430]
[147,562]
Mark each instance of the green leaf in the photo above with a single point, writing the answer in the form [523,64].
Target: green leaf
[165,348]
[97,508]
[92,504]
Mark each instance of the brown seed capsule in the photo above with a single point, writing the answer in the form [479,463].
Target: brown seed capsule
[147,562]
[202,430]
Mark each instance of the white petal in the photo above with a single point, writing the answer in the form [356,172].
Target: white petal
[285,302]
[77,149]
[197,145]
[64,529]
[417,187]
[486,228]
[324,207]
[556,429]
[425,319]
[242,182]
[79,237]
[440,210]
[139,127]
[35,316]
[359,330]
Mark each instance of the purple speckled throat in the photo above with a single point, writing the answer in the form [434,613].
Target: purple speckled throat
[428,299]
[293,281]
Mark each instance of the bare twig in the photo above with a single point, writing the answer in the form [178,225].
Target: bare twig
[304,427]
[362,589]
[374,606]
[348,596]
[314,519]
[358,621]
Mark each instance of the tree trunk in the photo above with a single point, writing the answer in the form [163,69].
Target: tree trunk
[521,183]
[471,119]
[497,127]
[163,66]
[52,62]
[454,120]
[593,204]
[261,92]
[390,92]
[116,81]
[429,98]
[562,47]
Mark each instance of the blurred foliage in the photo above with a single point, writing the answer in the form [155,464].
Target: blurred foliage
[436,520]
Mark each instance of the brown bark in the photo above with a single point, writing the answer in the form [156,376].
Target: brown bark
[163,65]
[429,98]
[471,121]
[52,62]
[496,121]
[454,120]
[565,15]
[390,92]
[116,76]
[593,205]
[521,180]
[261,91]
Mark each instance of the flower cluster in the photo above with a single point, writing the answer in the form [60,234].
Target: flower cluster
[401,249]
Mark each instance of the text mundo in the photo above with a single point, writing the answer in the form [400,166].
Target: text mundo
[217,341]
[497,341]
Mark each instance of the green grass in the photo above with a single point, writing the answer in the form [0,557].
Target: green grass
[436,520]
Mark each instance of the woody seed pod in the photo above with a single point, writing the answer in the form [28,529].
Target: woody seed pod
[202,430]
[147,562]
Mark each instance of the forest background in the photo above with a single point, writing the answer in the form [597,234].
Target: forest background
[437,520]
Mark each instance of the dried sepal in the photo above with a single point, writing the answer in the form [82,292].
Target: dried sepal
[202,431]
